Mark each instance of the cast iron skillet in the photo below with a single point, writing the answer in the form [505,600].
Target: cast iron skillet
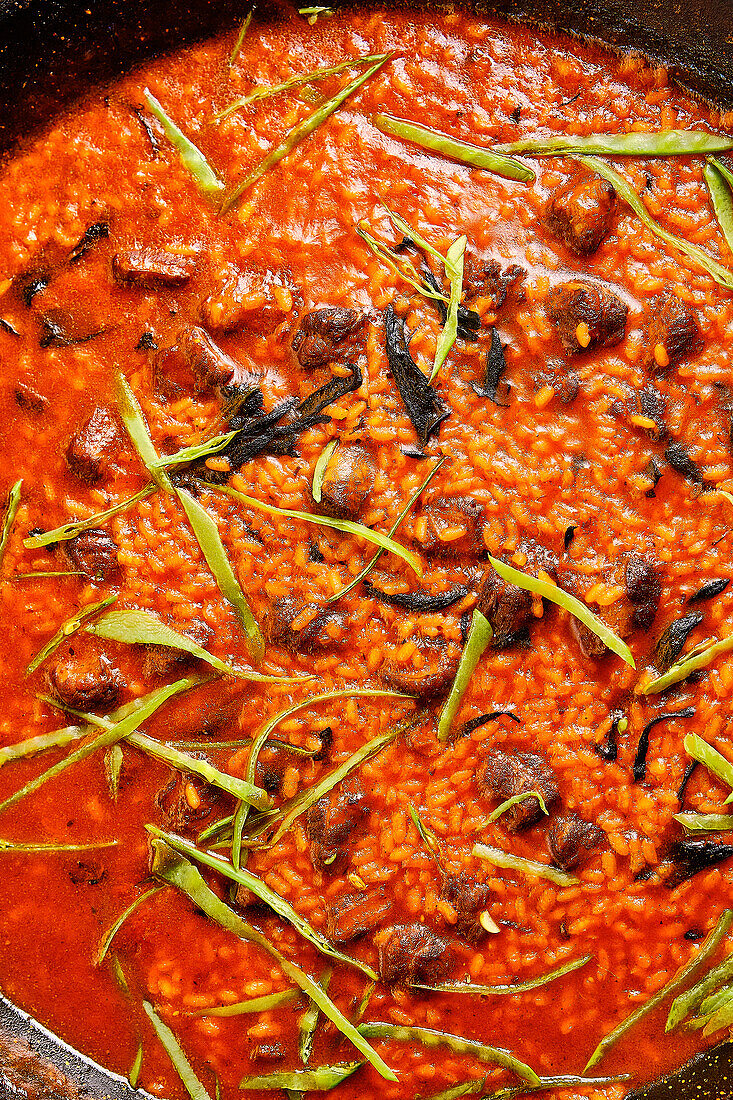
[51,51]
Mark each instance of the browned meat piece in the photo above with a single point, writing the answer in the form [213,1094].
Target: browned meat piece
[672,333]
[637,609]
[93,552]
[644,590]
[94,445]
[590,644]
[85,681]
[347,482]
[28,399]
[255,300]
[580,212]
[564,382]
[330,823]
[411,954]
[570,838]
[185,801]
[487,279]
[151,268]
[324,629]
[160,661]
[600,316]
[469,898]
[433,677]
[322,332]
[194,361]
[507,773]
[453,525]
[507,607]
[352,915]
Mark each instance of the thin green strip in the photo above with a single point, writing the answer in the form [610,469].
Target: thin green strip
[112,932]
[436,142]
[509,861]
[680,671]
[254,1004]
[509,988]
[191,157]
[173,1049]
[635,143]
[11,511]
[479,637]
[71,530]
[66,630]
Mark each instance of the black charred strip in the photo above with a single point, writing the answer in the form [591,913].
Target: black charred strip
[643,749]
[30,283]
[465,624]
[482,719]
[92,234]
[317,401]
[694,934]
[469,321]
[410,451]
[495,367]
[692,856]
[424,407]
[419,602]
[608,750]
[678,458]
[709,590]
[58,330]
[654,473]
[7,327]
[146,342]
[689,772]
[671,642]
[326,736]
[569,535]
[147,128]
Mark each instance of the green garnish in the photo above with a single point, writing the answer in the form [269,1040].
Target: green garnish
[66,630]
[701,658]
[560,1082]
[295,82]
[113,761]
[479,637]
[347,526]
[71,530]
[456,1043]
[319,469]
[209,539]
[254,1004]
[191,454]
[428,838]
[177,871]
[705,823]
[240,37]
[551,592]
[687,1002]
[137,429]
[401,264]
[309,1021]
[510,988]
[625,191]
[299,132]
[514,801]
[11,511]
[499,858]
[370,565]
[320,1079]
[312,13]
[192,159]
[143,709]
[713,760]
[719,180]
[48,573]
[173,1049]
[262,891]
[364,1002]
[136,1066]
[708,948]
[50,846]
[137,627]
[112,932]
[635,143]
[454,258]
[40,743]
[474,155]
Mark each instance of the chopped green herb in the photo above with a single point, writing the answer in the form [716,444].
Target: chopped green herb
[428,838]
[192,159]
[455,1043]
[454,270]
[41,743]
[48,573]
[295,82]
[309,1021]
[510,988]
[136,1066]
[299,132]
[718,179]
[71,530]
[401,264]
[312,13]
[137,429]
[11,511]
[173,1049]
[319,470]
[551,592]
[66,630]
[209,539]
[689,1001]
[320,1079]
[191,454]
[705,823]
[347,526]
[479,637]
[474,155]
[254,1004]
[707,950]
[699,658]
[240,37]
[508,860]
[171,867]
[514,801]
[113,761]
[112,932]
[50,846]
[625,191]
[635,143]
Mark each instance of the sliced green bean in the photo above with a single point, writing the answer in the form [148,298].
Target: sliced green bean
[254,1004]
[436,142]
[499,858]
[11,511]
[175,1052]
[479,638]
[718,184]
[191,157]
[110,934]
[137,429]
[684,668]
[635,143]
[268,90]
[510,988]
[515,801]
[691,1000]
[71,530]
[66,630]
[320,1079]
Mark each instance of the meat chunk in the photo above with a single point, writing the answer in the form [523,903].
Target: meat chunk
[507,607]
[570,838]
[319,630]
[411,954]
[185,801]
[347,482]
[94,445]
[507,773]
[151,268]
[254,300]
[487,279]
[432,676]
[160,661]
[194,361]
[93,552]
[643,589]
[85,681]
[322,333]
[636,609]
[452,525]
[331,821]
[29,399]
[580,212]
[352,915]
[672,334]
[599,314]
[469,898]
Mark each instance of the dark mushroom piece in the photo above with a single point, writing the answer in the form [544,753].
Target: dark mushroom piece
[580,212]
[85,681]
[322,333]
[423,405]
[93,447]
[506,774]
[586,316]
[412,954]
[488,279]
[151,268]
[347,482]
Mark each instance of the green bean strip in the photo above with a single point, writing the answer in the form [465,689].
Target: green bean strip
[191,157]
[41,743]
[173,1049]
[474,155]
[687,1002]
[11,511]
[112,932]
[136,1066]
[428,838]
[66,630]
[454,270]
[48,573]
[509,989]
[241,37]
[456,1043]
[404,267]
[479,637]
[299,132]
[50,846]
[320,1079]
[269,90]
[254,1004]
[137,429]
[718,180]
[565,1081]
[635,143]
[71,530]
[309,1021]
[708,948]
[499,858]
[319,469]
[514,801]
[171,867]
[705,823]
[623,188]
[714,761]
[680,671]
[191,454]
